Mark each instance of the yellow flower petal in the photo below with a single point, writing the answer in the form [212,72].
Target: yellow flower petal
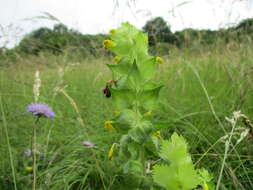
[108,125]
[159,60]
[28,168]
[147,114]
[111,151]
[157,134]
[205,186]
[108,44]
[116,59]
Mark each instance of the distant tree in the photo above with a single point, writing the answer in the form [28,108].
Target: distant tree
[33,43]
[60,28]
[158,31]
[245,26]
[61,39]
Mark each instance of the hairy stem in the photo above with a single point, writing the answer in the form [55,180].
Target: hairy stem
[34,152]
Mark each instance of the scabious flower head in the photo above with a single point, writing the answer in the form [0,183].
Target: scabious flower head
[108,125]
[159,60]
[88,143]
[41,110]
[27,153]
[108,44]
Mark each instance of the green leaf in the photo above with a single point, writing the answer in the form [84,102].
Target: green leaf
[165,176]
[204,175]
[148,68]
[180,173]
[141,45]
[134,79]
[158,125]
[124,142]
[148,98]
[141,131]
[119,69]
[175,150]
[130,42]
[125,120]
[133,170]
[123,98]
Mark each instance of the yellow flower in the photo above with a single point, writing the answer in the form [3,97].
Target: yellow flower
[108,44]
[116,59]
[158,134]
[108,125]
[112,31]
[111,151]
[147,114]
[116,112]
[159,60]
[205,186]
[28,168]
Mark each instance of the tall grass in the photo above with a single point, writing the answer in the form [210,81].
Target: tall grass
[202,87]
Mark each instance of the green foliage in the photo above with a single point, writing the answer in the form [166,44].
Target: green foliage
[158,31]
[68,165]
[59,40]
[179,174]
[245,26]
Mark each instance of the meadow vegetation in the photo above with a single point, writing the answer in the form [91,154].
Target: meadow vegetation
[204,88]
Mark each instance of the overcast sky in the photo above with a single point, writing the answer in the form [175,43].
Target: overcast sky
[18,17]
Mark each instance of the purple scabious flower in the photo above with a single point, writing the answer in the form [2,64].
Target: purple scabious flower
[41,110]
[27,153]
[88,143]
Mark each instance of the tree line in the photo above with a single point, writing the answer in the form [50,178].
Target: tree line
[61,39]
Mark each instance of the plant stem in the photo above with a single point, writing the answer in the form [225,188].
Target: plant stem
[9,145]
[34,152]
[227,144]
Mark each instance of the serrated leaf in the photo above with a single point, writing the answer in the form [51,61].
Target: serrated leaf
[175,150]
[204,175]
[180,173]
